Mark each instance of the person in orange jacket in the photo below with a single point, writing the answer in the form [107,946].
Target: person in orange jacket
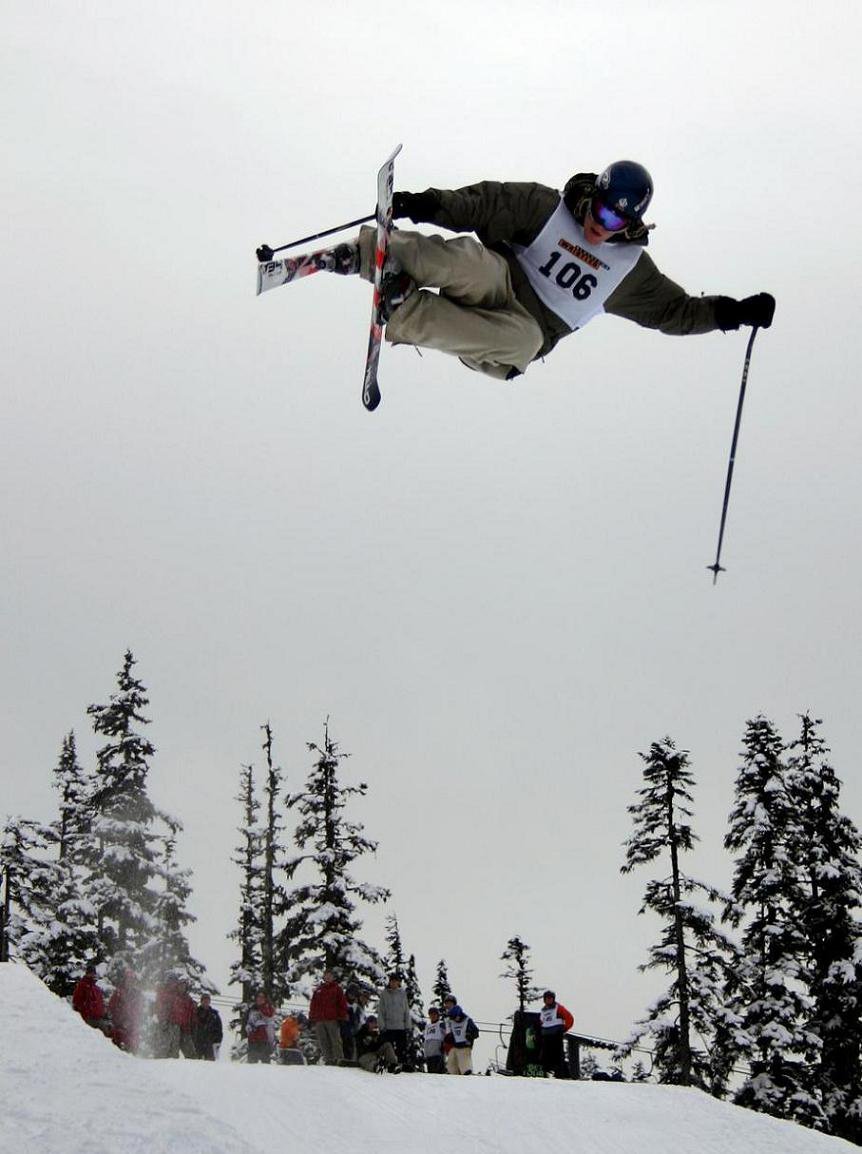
[289,1052]
[555,1021]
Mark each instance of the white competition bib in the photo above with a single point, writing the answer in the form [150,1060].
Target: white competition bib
[570,277]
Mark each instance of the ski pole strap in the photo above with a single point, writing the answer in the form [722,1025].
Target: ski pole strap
[265,253]
[716,567]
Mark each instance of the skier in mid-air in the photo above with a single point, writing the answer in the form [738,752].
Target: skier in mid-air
[545,263]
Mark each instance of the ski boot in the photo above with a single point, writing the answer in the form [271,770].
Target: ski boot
[343,259]
[397,287]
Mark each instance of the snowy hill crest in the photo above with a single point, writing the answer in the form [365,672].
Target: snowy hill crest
[68,1091]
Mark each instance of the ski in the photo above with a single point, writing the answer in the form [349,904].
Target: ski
[273,273]
[385,185]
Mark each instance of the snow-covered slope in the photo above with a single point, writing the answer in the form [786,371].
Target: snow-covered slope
[65,1090]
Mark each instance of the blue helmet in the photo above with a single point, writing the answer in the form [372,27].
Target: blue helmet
[625,187]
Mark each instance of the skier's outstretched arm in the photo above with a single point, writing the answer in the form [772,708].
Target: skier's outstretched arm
[496,211]
[651,299]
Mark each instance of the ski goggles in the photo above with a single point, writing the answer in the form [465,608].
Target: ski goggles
[607,217]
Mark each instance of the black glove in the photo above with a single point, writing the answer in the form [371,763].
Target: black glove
[421,207]
[756,311]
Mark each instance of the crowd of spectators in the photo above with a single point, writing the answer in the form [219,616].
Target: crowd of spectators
[177,1024]
[343,1030]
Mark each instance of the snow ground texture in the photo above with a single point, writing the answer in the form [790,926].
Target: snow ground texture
[66,1090]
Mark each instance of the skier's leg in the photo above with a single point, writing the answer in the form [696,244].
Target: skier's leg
[506,337]
[461,267]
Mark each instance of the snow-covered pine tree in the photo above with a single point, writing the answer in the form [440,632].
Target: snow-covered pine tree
[769,999]
[692,948]
[517,954]
[441,989]
[26,877]
[395,949]
[826,846]
[414,995]
[123,867]
[273,893]
[74,786]
[246,971]
[63,937]
[322,927]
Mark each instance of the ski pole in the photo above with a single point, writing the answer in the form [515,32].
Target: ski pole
[265,253]
[717,568]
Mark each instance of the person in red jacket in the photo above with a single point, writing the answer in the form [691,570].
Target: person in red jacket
[260,1030]
[329,1008]
[176,1015]
[124,1008]
[89,1001]
[556,1021]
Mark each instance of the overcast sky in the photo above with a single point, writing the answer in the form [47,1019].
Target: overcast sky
[497,591]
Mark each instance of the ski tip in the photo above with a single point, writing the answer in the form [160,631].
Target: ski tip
[371,397]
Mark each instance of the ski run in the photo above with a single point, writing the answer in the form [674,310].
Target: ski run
[67,1090]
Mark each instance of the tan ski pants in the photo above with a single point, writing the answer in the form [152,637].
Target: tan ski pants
[475,316]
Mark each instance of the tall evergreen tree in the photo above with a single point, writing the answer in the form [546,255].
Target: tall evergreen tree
[63,935]
[442,989]
[123,868]
[826,846]
[322,927]
[273,894]
[134,883]
[768,984]
[691,948]
[26,881]
[246,971]
[517,954]
[395,952]
[414,993]
[74,787]
[417,1014]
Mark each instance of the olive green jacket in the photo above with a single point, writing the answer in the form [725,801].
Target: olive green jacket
[505,214]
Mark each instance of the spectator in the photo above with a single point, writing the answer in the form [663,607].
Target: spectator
[208,1030]
[355,1017]
[260,1030]
[327,1010]
[184,1015]
[175,1019]
[460,1036]
[363,1003]
[373,1050]
[435,1032]
[555,1022]
[393,1016]
[164,1036]
[124,1009]
[89,1001]
[289,1052]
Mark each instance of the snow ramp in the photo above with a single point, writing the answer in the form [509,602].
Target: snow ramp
[66,1090]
